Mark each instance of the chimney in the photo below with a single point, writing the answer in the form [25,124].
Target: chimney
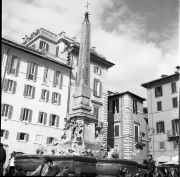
[178,67]
[74,39]
[94,49]
[164,76]
[63,34]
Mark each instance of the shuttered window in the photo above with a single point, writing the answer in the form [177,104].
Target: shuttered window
[135,106]
[160,127]
[44,46]
[42,118]
[176,144]
[45,95]
[158,91]
[96,112]
[13,64]
[58,79]
[175,127]
[173,87]
[26,114]
[116,130]
[175,102]
[159,106]
[29,91]
[136,133]
[10,86]
[97,70]
[21,136]
[116,106]
[49,140]
[46,75]
[31,73]
[161,145]
[54,120]
[6,110]
[4,134]
[56,98]
[97,88]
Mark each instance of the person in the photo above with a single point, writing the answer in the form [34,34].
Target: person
[43,168]
[2,159]
[11,163]
[156,173]
[172,173]
[151,166]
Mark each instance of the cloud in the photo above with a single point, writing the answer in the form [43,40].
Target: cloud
[117,32]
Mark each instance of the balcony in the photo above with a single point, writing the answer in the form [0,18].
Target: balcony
[173,135]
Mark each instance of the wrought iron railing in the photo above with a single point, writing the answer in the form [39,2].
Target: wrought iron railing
[171,133]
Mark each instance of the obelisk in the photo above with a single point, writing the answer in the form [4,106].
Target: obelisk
[82,109]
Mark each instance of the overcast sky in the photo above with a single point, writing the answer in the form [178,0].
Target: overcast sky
[139,36]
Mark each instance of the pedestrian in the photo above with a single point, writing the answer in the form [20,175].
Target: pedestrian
[156,173]
[151,166]
[172,173]
[43,168]
[11,166]
[2,159]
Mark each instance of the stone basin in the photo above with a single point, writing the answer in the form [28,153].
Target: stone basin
[89,166]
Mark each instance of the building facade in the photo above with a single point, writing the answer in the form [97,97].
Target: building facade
[38,78]
[128,126]
[163,116]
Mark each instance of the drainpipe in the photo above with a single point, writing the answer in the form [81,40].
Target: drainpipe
[4,74]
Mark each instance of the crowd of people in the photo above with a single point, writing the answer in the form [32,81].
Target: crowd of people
[48,168]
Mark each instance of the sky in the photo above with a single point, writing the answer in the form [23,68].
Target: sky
[139,36]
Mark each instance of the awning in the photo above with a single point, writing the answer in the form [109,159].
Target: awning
[171,163]
[175,158]
[163,158]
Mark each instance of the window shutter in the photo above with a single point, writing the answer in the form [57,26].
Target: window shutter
[17,67]
[136,133]
[27,137]
[48,138]
[5,84]
[45,118]
[100,71]
[117,105]
[39,117]
[14,87]
[10,112]
[114,103]
[136,107]
[2,106]
[157,128]
[33,92]
[35,74]
[9,63]
[30,115]
[44,75]
[57,121]
[42,93]
[54,79]
[22,112]
[47,47]
[59,99]
[18,136]
[52,99]
[6,134]
[100,88]
[28,69]
[94,69]
[116,130]
[173,127]
[40,45]
[61,81]
[163,128]
[47,98]
[57,51]
[161,91]
[95,87]
[25,90]
[50,120]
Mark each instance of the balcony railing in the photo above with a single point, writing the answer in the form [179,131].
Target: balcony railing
[173,135]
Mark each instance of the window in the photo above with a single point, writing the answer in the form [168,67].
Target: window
[44,46]
[173,87]
[158,91]
[116,130]
[46,75]
[42,118]
[175,127]
[134,106]
[97,88]
[49,140]
[56,98]
[136,133]
[54,120]
[10,86]
[31,73]
[176,144]
[29,91]
[159,106]
[97,70]
[45,95]
[13,65]
[96,112]
[26,115]
[4,134]
[21,136]
[38,139]
[160,127]
[58,79]
[161,145]
[6,110]
[116,106]
[175,102]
